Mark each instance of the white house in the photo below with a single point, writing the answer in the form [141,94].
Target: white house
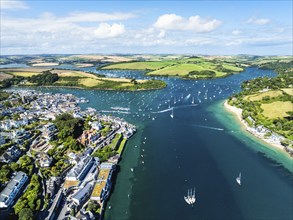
[12,189]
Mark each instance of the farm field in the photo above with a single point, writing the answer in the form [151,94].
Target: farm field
[192,68]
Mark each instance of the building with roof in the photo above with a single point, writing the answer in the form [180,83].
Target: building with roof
[79,171]
[10,155]
[12,189]
[103,185]
[44,159]
[82,195]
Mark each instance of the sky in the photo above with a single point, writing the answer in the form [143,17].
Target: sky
[157,27]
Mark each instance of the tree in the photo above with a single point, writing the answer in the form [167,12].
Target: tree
[26,214]
[14,166]
[7,104]
[68,126]
[5,173]
[72,144]
[93,206]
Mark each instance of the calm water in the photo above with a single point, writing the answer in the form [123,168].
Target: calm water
[203,146]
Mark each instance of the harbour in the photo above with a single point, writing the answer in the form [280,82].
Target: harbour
[200,146]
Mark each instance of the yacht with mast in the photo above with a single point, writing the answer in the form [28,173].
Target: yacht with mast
[172,114]
[190,198]
[238,179]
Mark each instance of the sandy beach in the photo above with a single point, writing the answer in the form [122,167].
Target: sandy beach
[238,113]
[45,64]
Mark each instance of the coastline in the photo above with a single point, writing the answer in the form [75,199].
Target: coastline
[87,88]
[238,113]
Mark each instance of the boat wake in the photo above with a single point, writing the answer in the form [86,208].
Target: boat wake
[162,111]
[120,112]
[175,107]
[208,127]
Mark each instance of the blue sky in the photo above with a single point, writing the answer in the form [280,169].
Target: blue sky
[184,27]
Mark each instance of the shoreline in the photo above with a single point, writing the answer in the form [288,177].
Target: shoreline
[85,88]
[238,113]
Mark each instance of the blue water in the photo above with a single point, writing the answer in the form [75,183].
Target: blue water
[203,146]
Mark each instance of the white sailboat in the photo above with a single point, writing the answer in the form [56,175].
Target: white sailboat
[187,198]
[172,114]
[193,199]
[190,198]
[192,100]
[238,179]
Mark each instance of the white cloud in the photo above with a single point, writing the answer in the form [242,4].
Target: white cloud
[236,32]
[193,23]
[13,5]
[258,21]
[96,17]
[106,30]
[162,34]
[199,42]
[234,42]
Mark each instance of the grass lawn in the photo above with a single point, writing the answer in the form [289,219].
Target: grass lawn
[233,68]
[289,91]
[89,82]
[98,188]
[150,65]
[24,74]
[277,109]
[122,145]
[180,67]
[115,141]
[69,183]
[259,96]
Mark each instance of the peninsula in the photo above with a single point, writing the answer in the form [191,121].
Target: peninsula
[265,106]
[192,67]
[73,78]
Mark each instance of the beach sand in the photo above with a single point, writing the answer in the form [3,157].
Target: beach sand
[238,113]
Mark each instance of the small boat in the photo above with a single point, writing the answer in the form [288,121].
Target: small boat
[238,179]
[190,198]
[187,200]
[131,169]
[172,114]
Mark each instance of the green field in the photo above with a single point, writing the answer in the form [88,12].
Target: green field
[260,96]
[277,109]
[121,146]
[86,80]
[149,65]
[289,91]
[182,67]
[24,74]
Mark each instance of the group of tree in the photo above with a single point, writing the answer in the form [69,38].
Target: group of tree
[15,80]
[279,66]
[202,72]
[45,78]
[104,153]
[68,126]
[30,202]
[255,85]
[253,109]
[93,206]
[7,169]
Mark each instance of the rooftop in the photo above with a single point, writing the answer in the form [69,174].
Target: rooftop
[69,183]
[81,193]
[98,188]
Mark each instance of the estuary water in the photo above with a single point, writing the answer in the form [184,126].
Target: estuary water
[201,147]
